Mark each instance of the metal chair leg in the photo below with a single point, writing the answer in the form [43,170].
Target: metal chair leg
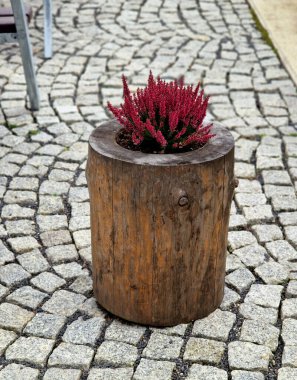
[26,52]
[48,49]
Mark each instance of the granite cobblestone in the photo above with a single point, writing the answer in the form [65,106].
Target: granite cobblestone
[50,324]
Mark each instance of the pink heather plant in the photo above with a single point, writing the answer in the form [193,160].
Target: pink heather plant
[163,117]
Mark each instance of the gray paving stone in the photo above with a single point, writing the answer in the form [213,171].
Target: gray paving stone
[289,358]
[20,227]
[50,149]
[151,370]
[6,338]
[291,289]
[42,137]
[18,372]
[289,331]
[62,374]
[272,273]
[204,350]
[288,218]
[33,262]
[217,325]
[27,296]
[23,244]
[243,170]
[77,152]
[79,223]
[258,214]
[8,168]
[84,331]
[289,308]
[281,250]
[255,312]
[83,285]
[276,177]
[86,255]
[58,129]
[121,332]
[284,203]
[246,375]
[241,279]
[20,197]
[64,303]
[3,232]
[61,253]
[31,350]
[24,183]
[261,333]
[287,374]
[292,267]
[45,325]
[61,175]
[54,188]
[12,274]
[250,199]
[230,298]
[251,255]
[70,270]
[233,263]
[48,282]
[50,204]
[52,238]
[82,238]
[14,317]
[278,190]
[51,222]
[80,209]
[113,373]
[31,170]
[267,232]
[161,346]
[62,127]
[78,194]
[265,295]
[238,239]
[291,235]
[203,372]
[91,308]
[248,186]
[116,354]
[12,211]
[178,330]
[237,221]
[81,180]
[265,162]
[71,355]
[12,140]
[6,256]
[248,356]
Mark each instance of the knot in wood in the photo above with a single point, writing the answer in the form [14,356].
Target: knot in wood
[183,201]
[235,182]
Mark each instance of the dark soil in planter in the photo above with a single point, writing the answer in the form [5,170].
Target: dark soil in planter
[123,138]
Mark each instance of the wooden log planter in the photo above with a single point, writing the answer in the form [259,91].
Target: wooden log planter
[159,225]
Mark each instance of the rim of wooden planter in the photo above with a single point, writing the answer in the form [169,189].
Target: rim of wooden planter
[102,140]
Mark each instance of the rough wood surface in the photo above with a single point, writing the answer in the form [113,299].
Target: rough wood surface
[159,230]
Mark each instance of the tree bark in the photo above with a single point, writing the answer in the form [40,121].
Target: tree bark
[159,226]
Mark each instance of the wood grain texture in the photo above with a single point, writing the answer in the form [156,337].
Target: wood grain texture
[159,231]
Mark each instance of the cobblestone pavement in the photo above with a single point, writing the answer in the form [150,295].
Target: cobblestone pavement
[50,325]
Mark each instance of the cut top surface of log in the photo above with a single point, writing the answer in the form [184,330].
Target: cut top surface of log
[104,143]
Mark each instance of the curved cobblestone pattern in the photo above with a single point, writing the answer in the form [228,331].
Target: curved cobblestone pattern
[50,325]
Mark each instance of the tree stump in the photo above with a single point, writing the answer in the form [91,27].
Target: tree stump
[159,225]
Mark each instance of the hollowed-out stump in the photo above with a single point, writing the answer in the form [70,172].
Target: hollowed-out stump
[159,225]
